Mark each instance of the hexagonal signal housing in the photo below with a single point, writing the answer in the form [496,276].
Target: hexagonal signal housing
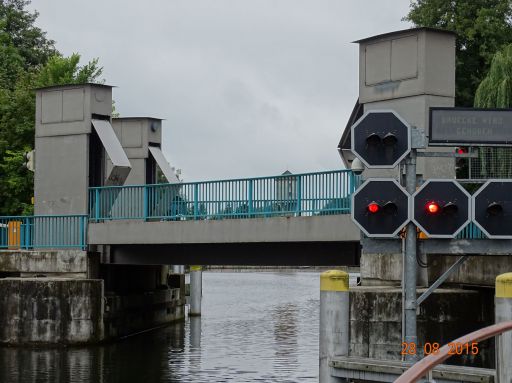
[492,209]
[380,208]
[381,139]
[441,208]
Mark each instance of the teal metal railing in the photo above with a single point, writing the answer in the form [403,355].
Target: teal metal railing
[471,231]
[307,194]
[43,231]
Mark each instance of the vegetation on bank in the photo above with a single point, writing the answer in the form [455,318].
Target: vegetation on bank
[28,60]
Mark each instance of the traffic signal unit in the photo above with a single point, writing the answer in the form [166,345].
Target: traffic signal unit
[492,209]
[381,207]
[381,139]
[441,208]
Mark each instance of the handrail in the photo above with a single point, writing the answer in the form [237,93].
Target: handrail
[421,368]
[227,179]
[320,193]
[67,231]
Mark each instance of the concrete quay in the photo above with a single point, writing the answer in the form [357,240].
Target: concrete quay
[66,297]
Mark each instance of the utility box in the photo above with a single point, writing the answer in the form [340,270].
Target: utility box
[73,139]
[419,61]
[141,139]
[408,72]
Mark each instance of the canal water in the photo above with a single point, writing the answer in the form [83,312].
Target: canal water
[255,327]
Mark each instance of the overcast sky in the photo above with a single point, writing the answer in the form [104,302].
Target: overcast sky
[246,87]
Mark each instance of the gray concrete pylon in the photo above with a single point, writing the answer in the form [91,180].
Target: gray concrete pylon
[196,289]
[503,307]
[334,320]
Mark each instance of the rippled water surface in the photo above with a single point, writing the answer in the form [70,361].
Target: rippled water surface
[256,327]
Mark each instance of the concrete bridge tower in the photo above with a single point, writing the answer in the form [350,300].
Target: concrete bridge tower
[73,140]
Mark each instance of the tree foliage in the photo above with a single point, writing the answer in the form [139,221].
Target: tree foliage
[28,60]
[482,26]
[495,91]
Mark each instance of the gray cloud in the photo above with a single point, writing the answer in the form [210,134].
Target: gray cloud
[247,87]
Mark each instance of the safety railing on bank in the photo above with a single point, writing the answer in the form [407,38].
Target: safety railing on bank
[43,232]
[307,194]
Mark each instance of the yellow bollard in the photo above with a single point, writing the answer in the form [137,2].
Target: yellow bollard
[503,308]
[334,320]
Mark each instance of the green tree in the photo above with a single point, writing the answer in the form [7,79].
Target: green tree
[495,91]
[482,26]
[28,60]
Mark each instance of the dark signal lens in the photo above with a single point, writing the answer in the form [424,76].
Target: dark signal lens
[373,139]
[494,208]
[390,208]
[450,208]
[389,140]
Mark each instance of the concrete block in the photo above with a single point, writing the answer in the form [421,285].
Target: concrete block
[44,310]
[376,321]
[44,262]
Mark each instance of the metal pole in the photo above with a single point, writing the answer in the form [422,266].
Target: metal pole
[410,268]
[503,308]
[334,320]
[196,289]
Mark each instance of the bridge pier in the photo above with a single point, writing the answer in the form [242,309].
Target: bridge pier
[196,290]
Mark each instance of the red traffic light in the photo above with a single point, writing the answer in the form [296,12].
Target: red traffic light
[461,150]
[373,207]
[432,207]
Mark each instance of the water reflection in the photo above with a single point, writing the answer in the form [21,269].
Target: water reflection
[286,337]
[248,333]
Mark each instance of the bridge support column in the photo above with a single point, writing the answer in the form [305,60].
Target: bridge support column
[334,320]
[196,289]
[503,304]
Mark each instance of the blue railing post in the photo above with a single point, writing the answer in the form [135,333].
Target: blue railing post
[250,197]
[27,233]
[299,195]
[145,202]
[196,201]
[97,204]
[83,226]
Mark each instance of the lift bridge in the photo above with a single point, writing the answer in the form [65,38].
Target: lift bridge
[301,219]
[286,219]
[96,190]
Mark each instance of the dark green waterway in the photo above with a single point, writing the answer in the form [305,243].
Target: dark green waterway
[256,327]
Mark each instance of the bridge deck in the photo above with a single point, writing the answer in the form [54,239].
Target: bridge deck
[329,228]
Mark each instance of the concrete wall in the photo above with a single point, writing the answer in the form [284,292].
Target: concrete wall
[133,313]
[61,179]
[50,262]
[376,314]
[381,269]
[75,311]
[386,269]
[65,311]
[278,229]
[480,271]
